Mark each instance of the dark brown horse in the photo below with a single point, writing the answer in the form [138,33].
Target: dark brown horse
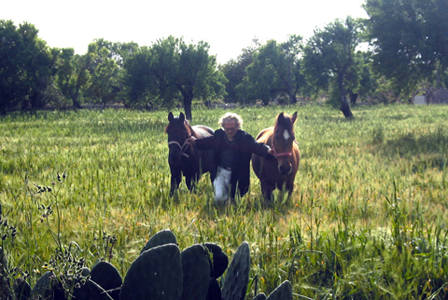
[278,173]
[184,158]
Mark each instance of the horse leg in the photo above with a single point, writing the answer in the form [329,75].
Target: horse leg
[266,189]
[192,180]
[289,186]
[176,178]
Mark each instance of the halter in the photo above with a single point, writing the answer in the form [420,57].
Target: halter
[182,148]
[282,153]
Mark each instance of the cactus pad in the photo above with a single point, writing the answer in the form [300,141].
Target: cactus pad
[160,238]
[155,274]
[261,296]
[43,285]
[220,261]
[22,289]
[214,291]
[282,292]
[107,277]
[91,291]
[237,276]
[196,273]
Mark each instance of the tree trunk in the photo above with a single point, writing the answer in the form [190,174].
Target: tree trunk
[292,97]
[187,106]
[345,108]
[76,103]
[353,98]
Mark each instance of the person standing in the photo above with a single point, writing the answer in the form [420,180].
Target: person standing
[233,148]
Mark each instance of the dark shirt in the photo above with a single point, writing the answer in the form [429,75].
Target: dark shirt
[227,155]
[238,159]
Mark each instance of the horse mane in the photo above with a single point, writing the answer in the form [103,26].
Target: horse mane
[190,129]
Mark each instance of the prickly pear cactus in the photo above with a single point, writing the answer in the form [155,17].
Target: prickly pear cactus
[155,274]
[214,291]
[237,276]
[91,291]
[85,271]
[282,292]
[3,260]
[261,296]
[219,260]
[160,238]
[196,271]
[43,285]
[22,289]
[107,277]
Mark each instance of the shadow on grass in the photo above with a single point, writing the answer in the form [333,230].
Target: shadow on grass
[425,150]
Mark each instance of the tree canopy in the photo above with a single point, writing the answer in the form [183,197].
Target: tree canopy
[26,65]
[329,56]
[407,53]
[274,71]
[172,70]
[409,40]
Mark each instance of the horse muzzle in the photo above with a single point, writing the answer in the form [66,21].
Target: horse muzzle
[285,169]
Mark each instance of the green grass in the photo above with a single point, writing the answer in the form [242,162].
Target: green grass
[368,218]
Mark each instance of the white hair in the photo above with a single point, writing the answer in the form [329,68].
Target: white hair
[231,116]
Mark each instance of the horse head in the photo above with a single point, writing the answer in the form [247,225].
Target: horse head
[283,140]
[178,131]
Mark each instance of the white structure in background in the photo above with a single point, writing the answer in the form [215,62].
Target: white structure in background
[432,96]
[420,100]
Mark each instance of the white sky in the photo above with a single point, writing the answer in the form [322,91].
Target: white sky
[227,26]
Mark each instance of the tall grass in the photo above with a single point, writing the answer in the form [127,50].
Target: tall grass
[367,220]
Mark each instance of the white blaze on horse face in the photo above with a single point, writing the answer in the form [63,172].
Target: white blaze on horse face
[286,135]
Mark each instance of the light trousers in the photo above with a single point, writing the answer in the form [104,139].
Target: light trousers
[222,185]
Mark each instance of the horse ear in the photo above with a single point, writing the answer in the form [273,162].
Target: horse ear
[294,118]
[170,117]
[280,117]
[182,117]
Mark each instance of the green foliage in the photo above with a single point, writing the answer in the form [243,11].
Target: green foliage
[409,40]
[235,71]
[172,71]
[106,82]
[274,71]
[197,75]
[329,58]
[73,75]
[367,220]
[26,66]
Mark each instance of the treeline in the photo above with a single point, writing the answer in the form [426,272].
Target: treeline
[404,51]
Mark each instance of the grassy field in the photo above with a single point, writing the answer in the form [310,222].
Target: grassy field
[368,218]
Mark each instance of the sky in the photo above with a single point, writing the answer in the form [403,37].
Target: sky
[227,26]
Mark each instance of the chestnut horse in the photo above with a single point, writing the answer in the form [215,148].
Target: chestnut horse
[278,173]
[184,158]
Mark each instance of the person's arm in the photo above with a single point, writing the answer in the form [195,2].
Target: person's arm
[259,149]
[206,143]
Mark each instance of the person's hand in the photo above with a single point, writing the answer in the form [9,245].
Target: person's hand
[271,154]
[191,140]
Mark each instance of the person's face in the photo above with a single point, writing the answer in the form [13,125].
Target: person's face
[230,128]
